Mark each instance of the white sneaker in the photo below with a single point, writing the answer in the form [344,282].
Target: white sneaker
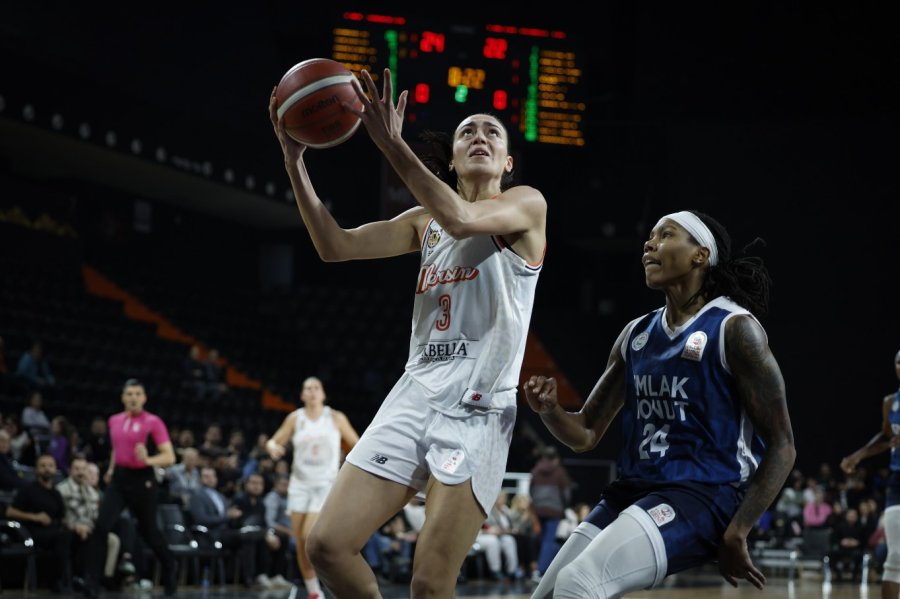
[279,581]
[264,581]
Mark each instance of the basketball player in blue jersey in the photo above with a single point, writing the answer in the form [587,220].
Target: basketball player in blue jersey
[887,438]
[444,429]
[707,436]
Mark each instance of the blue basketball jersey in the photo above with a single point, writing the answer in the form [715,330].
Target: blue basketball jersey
[894,419]
[682,418]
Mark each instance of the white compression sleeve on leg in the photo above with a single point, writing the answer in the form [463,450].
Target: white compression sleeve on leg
[628,555]
[574,545]
[892,536]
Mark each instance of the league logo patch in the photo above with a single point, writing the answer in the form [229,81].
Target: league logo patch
[693,348]
[662,514]
[433,238]
[640,341]
[895,406]
[452,463]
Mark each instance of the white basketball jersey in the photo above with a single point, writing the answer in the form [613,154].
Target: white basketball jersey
[470,320]
[317,447]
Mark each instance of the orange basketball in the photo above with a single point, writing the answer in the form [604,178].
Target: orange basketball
[309,99]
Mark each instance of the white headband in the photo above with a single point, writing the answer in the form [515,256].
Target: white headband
[698,231]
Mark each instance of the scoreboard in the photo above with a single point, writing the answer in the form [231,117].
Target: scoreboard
[531,78]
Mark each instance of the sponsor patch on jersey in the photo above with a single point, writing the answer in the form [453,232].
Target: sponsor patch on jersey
[453,461]
[640,341]
[662,514]
[433,238]
[693,348]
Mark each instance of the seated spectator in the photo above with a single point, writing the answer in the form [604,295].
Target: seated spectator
[34,370]
[848,544]
[20,441]
[35,422]
[257,452]
[817,512]
[496,537]
[266,544]
[390,549]
[40,509]
[184,477]
[9,474]
[226,465]
[237,445]
[209,508]
[787,521]
[60,446]
[868,516]
[279,522]
[82,504]
[212,438]
[527,530]
[184,440]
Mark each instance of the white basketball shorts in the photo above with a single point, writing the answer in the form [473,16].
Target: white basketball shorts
[408,440]
[307,499]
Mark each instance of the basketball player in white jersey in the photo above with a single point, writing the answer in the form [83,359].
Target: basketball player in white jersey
[444,429]
[707,439]
[316,432]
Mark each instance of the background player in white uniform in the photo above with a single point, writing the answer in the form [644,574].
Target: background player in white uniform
[316,433]
[707,435]
[887,438]
[446,425]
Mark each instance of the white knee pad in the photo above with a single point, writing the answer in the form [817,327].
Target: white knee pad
[892,535]
[628,555]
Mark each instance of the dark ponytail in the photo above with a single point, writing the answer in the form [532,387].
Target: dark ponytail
[744,279]
[439,155]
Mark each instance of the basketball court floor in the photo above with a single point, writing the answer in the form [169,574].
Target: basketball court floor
[699,586]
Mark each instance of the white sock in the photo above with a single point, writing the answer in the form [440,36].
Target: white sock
[312,585]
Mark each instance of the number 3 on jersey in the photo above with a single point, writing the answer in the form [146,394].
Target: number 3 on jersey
[656,439]
[443,323]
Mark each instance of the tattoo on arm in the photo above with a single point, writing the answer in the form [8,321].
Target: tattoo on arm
[761,390]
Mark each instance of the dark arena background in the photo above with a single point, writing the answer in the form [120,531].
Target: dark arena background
[144,209]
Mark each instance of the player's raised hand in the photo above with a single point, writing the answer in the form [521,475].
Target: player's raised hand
[540,392]
[381,118]
[291,148]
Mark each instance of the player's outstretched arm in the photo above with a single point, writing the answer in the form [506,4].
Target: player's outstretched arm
[582,430]
[333,243]
[760,387]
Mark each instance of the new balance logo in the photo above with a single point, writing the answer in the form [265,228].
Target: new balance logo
[378,459]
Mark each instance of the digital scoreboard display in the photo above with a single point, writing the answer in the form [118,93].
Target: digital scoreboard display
[531,78]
